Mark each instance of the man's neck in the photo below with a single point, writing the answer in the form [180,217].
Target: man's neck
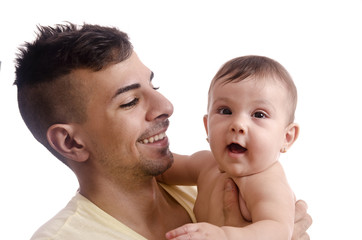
[144,207]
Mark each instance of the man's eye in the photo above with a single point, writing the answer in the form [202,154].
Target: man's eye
[224,111]
[153,86]
[259,115]
[130,104]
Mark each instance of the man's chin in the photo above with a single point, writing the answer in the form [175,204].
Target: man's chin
[159,164]
[166,163]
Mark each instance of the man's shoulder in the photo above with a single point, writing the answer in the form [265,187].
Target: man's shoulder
[81,219]
[54,227]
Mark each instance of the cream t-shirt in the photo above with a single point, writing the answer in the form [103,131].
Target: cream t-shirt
[81,219]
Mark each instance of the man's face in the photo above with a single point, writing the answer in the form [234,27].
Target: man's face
[126,121]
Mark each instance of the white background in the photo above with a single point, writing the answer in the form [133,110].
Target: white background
[184,43]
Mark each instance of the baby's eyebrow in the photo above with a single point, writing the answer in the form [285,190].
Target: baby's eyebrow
[265,103]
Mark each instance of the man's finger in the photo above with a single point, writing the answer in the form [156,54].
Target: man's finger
[232,212]
[301,208]
[302,221]
[301,226]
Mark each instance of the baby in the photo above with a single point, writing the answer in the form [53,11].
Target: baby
[249,122]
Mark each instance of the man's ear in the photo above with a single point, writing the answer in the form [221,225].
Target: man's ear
[291,134]
[63,138]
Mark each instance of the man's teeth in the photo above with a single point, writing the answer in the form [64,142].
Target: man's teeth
[154,138]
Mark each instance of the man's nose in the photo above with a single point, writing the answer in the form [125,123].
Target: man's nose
[158,107]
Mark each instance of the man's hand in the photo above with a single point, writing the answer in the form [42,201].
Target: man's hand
[302,220]
[232,211]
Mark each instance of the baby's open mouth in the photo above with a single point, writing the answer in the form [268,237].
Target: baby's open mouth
[236,148]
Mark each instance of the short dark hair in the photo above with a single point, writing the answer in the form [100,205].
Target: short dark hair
[260,67]
[47,92]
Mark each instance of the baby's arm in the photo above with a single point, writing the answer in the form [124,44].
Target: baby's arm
[186,168]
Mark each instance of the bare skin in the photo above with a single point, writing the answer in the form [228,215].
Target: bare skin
[116,170]
[248,127]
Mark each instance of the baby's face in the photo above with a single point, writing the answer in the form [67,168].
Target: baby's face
[246,124]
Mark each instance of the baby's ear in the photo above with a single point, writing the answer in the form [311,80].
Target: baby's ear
[291,134]
[63,138]
[205,124]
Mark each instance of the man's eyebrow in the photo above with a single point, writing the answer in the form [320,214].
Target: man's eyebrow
[130,87]
[126,88]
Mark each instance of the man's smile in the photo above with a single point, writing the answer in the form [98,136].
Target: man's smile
[154,138]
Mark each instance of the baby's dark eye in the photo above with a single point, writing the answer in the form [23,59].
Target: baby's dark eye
[259,115]
[130,104]
[224,111]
